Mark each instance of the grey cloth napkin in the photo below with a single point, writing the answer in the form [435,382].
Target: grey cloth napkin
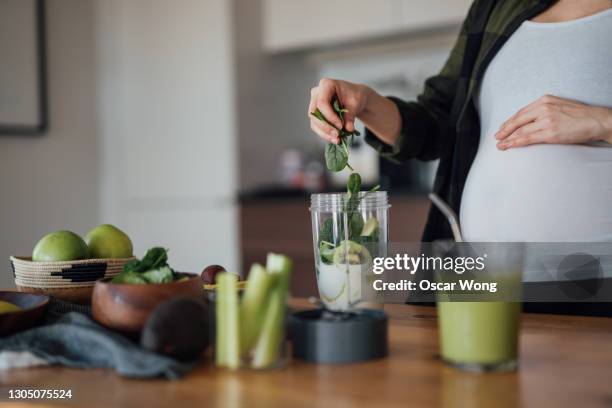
[75,340]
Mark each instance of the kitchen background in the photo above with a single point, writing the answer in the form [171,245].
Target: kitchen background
[184,122]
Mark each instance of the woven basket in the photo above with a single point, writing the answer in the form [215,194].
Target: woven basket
[69,280]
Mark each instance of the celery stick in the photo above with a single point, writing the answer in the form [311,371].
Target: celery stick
[221,326]
[276,263]
[268,344]
[253,305]
[228,342]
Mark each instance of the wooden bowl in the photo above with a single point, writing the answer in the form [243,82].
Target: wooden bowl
[126,307]
[33,308]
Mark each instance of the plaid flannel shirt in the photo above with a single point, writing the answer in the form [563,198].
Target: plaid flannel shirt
[443,123]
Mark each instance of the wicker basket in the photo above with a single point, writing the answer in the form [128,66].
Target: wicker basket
[69,280]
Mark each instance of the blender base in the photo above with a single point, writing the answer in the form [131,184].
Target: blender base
[321,336]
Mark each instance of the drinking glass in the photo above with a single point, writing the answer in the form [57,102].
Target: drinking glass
[480,332]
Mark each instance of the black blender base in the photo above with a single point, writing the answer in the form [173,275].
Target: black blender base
[321,336]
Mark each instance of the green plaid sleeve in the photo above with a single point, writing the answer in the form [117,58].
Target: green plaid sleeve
[425,121]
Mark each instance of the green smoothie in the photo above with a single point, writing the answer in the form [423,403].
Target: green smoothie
[479,334]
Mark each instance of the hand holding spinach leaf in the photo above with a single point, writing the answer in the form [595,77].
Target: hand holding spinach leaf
[337,155]
[336,159]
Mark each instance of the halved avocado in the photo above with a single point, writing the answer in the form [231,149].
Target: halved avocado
[352,253]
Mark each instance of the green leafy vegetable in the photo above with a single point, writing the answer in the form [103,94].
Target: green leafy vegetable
[337,155]
[337,159]
[327,231]
[355,223]
[129,277]
[326,249]
[353,185]
[152,268]
[161,275]
[155,258]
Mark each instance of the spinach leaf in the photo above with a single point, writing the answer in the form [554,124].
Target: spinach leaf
[161,275]
[355,223]
[326,250]
[155,258]
[152,268]
[336,157]
[129,277]
[353,185]
[327,231]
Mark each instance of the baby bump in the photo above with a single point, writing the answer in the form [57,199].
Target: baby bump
[539,193]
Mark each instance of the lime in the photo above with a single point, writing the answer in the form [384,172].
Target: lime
[60,246]
[107,241]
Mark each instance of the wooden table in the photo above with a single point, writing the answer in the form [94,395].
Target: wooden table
[565,362]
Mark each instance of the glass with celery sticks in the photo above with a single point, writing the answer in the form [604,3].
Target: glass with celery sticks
[250,323]
[349,231]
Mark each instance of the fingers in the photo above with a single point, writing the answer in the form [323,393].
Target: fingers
[325,131]
[528,134]
[531,112]
[321,128]
[349,122]
[521,118]
[326,91]
[312,105]
[538,137]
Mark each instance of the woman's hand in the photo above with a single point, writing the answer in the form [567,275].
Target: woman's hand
[352,96]
[555,120]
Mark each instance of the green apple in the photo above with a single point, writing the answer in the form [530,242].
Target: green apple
[60,246]
[107,241]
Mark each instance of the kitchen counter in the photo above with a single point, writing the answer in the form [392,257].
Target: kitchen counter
[565,362]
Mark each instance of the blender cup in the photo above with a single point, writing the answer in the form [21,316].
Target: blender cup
[348,233]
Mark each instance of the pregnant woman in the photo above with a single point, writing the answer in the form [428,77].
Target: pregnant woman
[520,117]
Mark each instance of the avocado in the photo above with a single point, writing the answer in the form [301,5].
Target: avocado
[178,328]
[349,252]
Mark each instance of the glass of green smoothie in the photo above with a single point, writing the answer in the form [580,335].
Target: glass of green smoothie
[479,326]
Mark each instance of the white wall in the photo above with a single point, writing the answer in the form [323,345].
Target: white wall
[273,95]
[167,126]
[51,182]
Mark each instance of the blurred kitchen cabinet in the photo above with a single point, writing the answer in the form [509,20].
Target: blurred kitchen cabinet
[283,225]
[418,14]
[296,24]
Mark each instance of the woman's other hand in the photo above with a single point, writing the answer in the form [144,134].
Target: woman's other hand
[555,120]
[352,96]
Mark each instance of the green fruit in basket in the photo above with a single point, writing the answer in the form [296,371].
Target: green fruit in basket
[107,241]
[60,246]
